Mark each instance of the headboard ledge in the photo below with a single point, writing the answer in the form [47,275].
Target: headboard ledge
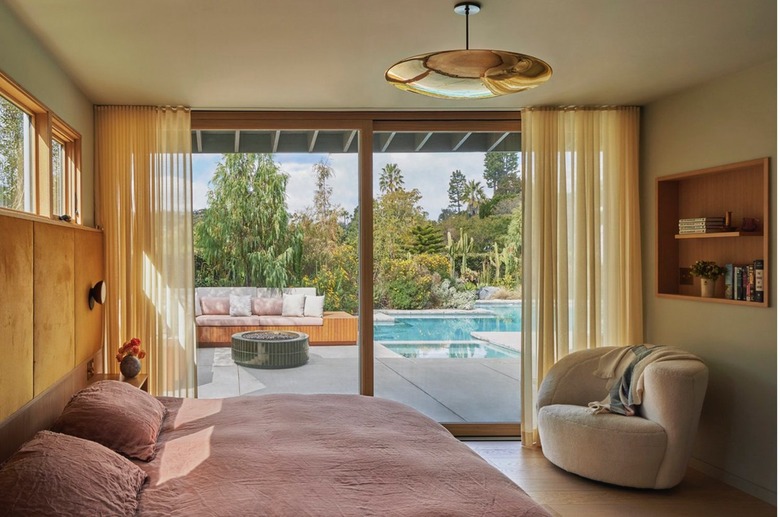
[41,412]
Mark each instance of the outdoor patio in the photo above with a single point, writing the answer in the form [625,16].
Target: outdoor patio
[447,390]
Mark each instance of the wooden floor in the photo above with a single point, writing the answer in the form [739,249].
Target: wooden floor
[565,494]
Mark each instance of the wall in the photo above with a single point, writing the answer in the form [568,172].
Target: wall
[25,61]
[725,121]
[46,270]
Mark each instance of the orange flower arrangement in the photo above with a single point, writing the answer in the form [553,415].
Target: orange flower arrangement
[132,347]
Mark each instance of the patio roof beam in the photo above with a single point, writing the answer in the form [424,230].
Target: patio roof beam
[496,141]
[199,141]
[385,139]
[420,139]
[312,138]
[237,141]
[458,141]
[348,138]
[276,137]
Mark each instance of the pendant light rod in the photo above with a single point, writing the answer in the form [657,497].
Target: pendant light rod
[465,9]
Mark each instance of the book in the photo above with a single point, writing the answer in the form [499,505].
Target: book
[700,230]
[739,290]
[700,225]
[721,220]
[758,266]
[728,280]
[748,280]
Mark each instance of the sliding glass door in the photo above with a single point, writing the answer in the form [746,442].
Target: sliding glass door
[408,226]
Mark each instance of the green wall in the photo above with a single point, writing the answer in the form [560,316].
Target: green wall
[724,121]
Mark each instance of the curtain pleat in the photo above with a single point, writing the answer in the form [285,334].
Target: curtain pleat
[144,205]
[582,274]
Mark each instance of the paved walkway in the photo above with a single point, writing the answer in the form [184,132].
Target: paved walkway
[447,390]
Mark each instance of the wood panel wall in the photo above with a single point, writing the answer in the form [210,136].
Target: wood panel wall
[46,270]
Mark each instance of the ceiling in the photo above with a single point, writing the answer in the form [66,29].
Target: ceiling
[332,54]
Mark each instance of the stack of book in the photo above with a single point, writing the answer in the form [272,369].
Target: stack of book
[702,225]
[745,282]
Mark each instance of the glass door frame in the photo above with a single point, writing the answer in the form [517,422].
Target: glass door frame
[366,123]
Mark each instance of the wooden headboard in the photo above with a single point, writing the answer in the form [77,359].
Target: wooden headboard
[49,333]
[40,412]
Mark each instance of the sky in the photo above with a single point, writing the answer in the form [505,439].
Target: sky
[428,172]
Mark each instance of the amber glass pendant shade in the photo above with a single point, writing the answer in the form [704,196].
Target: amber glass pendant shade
[468,74]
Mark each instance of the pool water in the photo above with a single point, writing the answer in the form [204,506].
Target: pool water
[467,350]
[441,335]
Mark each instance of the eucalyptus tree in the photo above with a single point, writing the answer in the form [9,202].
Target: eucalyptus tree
[499,166]
[244,231]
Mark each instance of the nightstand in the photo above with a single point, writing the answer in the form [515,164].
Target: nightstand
[140,381]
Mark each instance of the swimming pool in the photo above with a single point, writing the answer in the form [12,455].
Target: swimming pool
[440,334]
[459,350]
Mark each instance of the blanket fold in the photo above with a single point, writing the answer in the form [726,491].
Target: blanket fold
[624,370]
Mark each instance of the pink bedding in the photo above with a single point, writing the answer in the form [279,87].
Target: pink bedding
[318,455]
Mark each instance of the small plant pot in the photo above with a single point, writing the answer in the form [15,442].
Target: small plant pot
[707,288]
[130,366]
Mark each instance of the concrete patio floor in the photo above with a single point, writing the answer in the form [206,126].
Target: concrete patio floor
[447,390]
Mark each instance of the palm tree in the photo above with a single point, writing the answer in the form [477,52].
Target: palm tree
[390,179]
[473,196]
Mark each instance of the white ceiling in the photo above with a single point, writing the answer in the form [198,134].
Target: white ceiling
[332,54]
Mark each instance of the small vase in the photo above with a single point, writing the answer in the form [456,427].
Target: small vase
[707,288]
[130,366]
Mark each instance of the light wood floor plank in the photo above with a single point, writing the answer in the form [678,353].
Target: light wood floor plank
[564,494]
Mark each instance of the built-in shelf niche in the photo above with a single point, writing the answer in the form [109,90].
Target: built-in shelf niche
[741,188]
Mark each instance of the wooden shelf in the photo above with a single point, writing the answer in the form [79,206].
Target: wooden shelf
[717,235]
[740,188]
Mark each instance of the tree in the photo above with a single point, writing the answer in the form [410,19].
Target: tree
[457,188]
[426,238]
[497,167]
[11,155]
[473,196]
[396,212]
[390,179]
[244,233]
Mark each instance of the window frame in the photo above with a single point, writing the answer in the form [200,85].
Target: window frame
[46,126]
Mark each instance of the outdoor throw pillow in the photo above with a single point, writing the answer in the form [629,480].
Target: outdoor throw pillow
[292,304]
[240,305]
[213,306]
[313,306]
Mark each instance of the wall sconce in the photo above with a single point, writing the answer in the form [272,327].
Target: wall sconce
[97,294]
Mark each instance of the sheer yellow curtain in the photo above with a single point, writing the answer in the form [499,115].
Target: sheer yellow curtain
[582,272]
[144,198]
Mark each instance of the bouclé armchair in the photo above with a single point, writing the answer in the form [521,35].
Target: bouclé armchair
[648,450]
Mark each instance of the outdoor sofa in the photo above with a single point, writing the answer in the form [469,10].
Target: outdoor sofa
[221,312]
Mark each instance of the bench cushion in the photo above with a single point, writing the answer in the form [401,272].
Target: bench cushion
[255,321]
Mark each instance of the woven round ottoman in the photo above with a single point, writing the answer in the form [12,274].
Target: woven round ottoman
[270,349]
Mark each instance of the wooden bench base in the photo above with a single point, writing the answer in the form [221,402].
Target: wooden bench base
[338,328]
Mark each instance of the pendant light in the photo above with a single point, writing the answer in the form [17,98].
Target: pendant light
[468,74]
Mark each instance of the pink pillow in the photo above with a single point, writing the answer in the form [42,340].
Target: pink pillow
[57,474]
[267,306]
[211,306]
[117,415]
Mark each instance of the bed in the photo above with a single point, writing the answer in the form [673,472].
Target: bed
[275,455]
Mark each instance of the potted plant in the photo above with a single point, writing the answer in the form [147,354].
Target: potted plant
[709,272]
